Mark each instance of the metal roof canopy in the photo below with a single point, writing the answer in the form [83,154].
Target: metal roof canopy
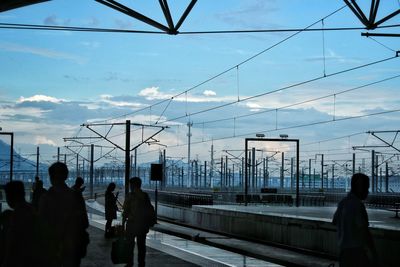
[170,29]
[6,5]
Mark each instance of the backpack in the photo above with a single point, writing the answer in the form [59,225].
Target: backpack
[151,217]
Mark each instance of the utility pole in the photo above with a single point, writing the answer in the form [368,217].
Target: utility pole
[205,174]
[291,173]
[212,167]
[77,165]
[373,170]
[91,170]
[386,177]
[322,171]
[135,164]
[164,166]
[253,168]
[266,171]
[282,170]
[127,155]
[37,161]
[226,172]
[354,163]
[189,135]
[309,174]
[58,154]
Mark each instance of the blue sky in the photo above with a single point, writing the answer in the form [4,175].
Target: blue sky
[53,81]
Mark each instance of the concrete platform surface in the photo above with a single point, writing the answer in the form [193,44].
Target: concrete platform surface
[99,251]
[378,218]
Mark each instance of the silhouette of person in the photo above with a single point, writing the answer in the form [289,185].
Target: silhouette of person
[110,208]
[37,193]
[134,215]
[64,220]
[78,185]
[351,219]
[20,232]
[5,218]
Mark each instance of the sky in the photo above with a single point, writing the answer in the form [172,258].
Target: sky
[313,86]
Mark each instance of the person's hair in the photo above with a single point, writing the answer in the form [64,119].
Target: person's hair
[111,186]
[357,179]
[58,171]
[79,180]
[15,191]
[37,178]
[135,182]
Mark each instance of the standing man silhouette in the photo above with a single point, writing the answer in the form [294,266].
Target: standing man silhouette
[62,213]
[135,214]
[351,219]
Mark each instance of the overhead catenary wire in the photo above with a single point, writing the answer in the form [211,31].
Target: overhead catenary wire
[380,43]
[281,89]
[39,27]
[298,103]
[230,68]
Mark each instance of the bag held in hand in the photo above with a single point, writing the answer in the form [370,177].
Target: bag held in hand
[120,251]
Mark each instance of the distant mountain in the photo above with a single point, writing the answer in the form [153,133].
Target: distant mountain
[20,163]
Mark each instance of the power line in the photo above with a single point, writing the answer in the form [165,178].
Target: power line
[229,69]
[285,128]
[299,103]
[19,26]
[333,139]
[385,46]
[282,89]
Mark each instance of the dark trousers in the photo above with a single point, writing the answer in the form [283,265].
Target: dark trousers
[108,226]
[354,257]
[141,243]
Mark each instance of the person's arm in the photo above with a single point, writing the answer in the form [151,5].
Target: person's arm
[125,210]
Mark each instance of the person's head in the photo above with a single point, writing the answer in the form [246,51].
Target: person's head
[15,193]
[135,183]
[79,181]
[58,173]
[111,187]
[360,185]
[37,178]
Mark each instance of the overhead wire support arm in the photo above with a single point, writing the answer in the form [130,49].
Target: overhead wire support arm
[185,14]
[151,137]
[105,138]
[167,15]
[132,13]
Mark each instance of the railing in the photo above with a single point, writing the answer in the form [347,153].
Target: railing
[181,199]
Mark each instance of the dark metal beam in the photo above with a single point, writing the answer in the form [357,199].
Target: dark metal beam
[376,24]
[354,10]
[367,34]
[362,15]
[167,14]
[6,5]
[372,19]
[132,13]
[185,14]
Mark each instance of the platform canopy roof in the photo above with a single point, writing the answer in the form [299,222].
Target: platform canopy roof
[11,4]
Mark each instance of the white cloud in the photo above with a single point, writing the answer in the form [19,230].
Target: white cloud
[209,93]
[109,100]
[43,52]
[152,93]
[42,140]
[253,106]
[6,112]
[40,98]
